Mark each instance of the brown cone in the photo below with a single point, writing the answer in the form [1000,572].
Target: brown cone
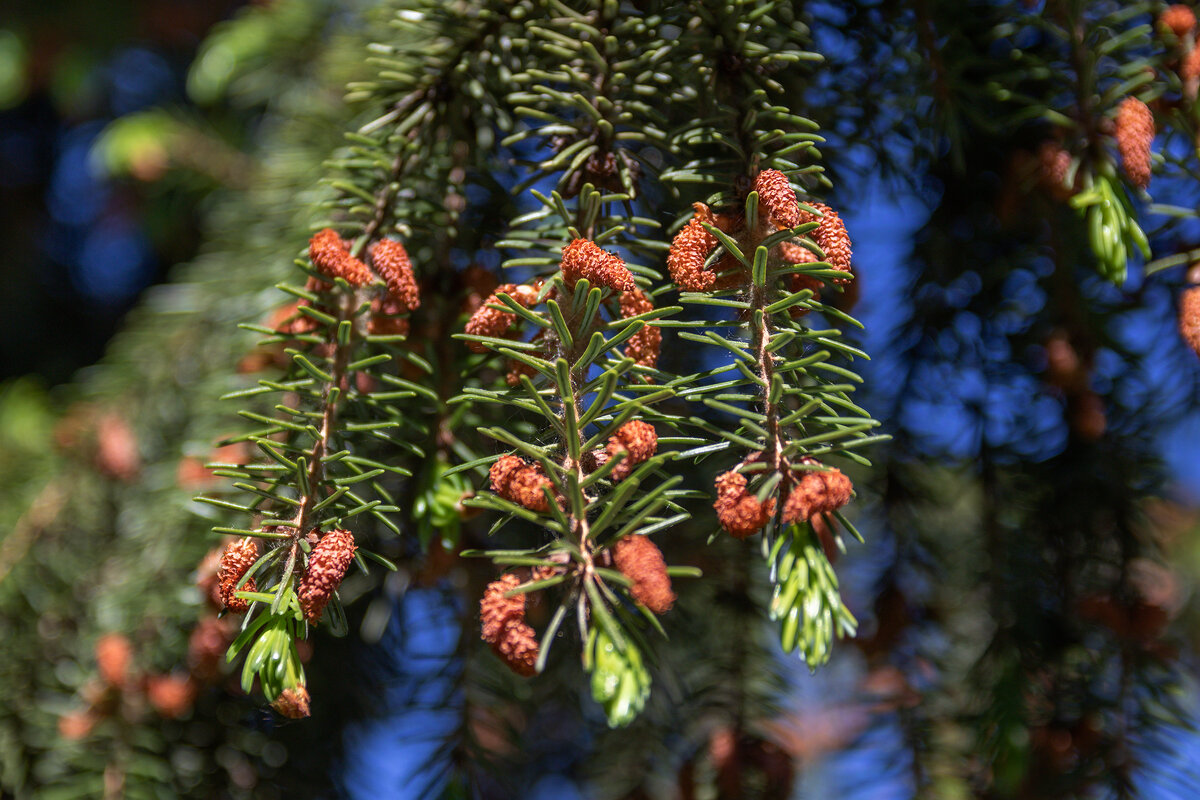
[391,261]
[502,625]
[293,703]
[640,560]
[583,258]
[817,493]
[330,254]
[327,565]
[238,557]
[645,345]
[638,440]
[739,511]
[776,199]
[1189,317]
[689,250]
[1135,134]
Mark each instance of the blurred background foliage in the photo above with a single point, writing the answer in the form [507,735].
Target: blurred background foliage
[1028,627]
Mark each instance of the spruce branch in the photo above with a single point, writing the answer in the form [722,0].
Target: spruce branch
[736,256]
[590,478]
[350,324]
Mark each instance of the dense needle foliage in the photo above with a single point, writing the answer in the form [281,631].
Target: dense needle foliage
[543,312]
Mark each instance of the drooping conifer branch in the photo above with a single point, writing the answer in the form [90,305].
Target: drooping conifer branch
[349,327]
[588,477]
[739,253]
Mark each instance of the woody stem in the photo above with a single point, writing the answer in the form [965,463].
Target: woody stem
[570,410]
[316,467]
[760,328]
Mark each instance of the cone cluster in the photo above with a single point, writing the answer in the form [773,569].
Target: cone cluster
[515,479]
[502,625]
[738,510]
[778,208]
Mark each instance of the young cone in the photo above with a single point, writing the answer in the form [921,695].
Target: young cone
[77,724]
[831,236]
[1054,164]
[515,479]
[487,321]
[114,655]
[1189,317]
[384,319]
[1189,68]
[1135,134]
[1179,19]
[207,645]
[776,199]
[640,560]
[327,564]
[645,345]
[502,625]
[817,493]
[330,254]
[293,703]
[238,557]
[497,612]
[172,696]
[798,254]
[391,261]
[637,440]
[739,511]
[690,249]
[583,258]
[518,648]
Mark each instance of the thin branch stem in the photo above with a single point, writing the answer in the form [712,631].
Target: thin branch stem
[316,467]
